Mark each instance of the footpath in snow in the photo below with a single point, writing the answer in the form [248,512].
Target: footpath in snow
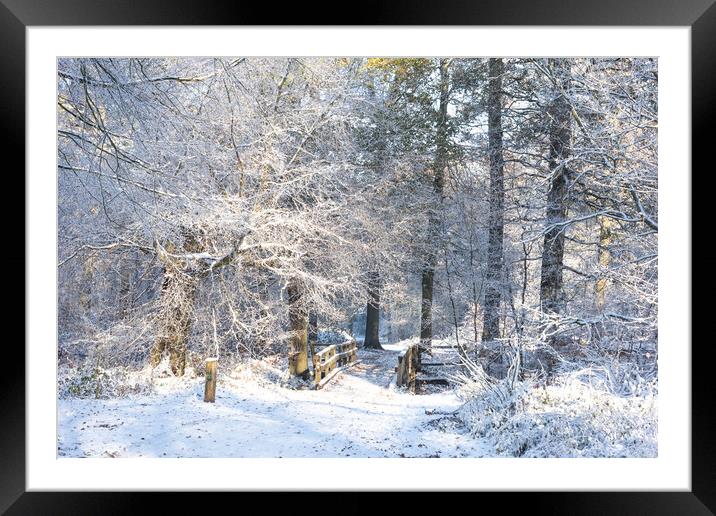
[359,413]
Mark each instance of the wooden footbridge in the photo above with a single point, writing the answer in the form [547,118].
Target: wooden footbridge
[413,372]
[331,360]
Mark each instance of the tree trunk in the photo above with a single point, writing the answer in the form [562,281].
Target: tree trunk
[604,258]
[177,307]
[124,298]
[312,327]
[298,321]
[262,336]
[493,292]
[426,312]
[176,316]
[460,348]
[312,331]
[441,161]
[551,294]
[372,319]
[85,297]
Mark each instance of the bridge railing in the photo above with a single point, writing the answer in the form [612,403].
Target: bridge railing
[328,361]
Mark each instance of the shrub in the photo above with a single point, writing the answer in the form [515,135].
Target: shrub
[580,414]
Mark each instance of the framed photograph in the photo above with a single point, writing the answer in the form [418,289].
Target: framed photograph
[415,250]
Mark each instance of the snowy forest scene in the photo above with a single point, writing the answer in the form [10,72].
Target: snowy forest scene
[336,257]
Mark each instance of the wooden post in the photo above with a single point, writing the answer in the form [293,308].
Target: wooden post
[317,369]
[210,379]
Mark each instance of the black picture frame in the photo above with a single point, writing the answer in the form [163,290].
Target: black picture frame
[17,15]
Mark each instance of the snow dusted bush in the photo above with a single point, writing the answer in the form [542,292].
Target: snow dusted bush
[265,371]
[588,412]
[332,336]
[92,381]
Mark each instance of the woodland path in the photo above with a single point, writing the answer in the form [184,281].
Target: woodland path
[359,413]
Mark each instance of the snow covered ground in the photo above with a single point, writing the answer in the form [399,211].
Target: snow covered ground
[359,413]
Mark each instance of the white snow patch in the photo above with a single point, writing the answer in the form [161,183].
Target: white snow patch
[359,413]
